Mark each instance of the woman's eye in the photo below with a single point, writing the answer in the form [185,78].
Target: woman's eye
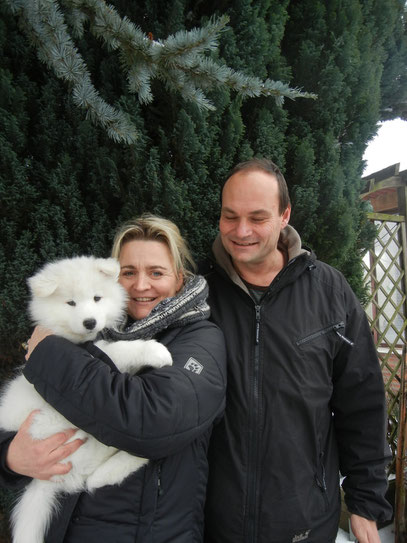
[127,274]
[156,274]
[71,303]
[97,298]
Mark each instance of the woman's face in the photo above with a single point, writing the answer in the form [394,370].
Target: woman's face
[147,273]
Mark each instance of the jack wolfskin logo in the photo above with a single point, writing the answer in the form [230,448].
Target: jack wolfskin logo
[301,537]
[193,365]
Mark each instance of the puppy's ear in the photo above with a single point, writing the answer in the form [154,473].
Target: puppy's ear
[42,284]
[108,266]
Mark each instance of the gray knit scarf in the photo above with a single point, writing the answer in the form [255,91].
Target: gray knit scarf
[188,306]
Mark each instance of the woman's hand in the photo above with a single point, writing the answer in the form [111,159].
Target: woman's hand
[38,335]
[40,459]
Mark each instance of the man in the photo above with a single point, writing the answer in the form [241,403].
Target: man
[305,396]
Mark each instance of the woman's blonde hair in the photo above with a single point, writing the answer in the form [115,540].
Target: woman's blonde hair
[150,227]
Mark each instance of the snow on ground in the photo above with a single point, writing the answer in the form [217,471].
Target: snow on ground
[386,535]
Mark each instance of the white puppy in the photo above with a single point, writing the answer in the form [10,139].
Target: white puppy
[75,298]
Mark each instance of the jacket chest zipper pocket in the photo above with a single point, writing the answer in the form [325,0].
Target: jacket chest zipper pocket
[333,328]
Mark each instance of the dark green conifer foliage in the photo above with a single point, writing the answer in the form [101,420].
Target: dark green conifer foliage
[59,184]
[341,56]
[394,78]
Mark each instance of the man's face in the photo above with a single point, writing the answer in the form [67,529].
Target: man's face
[250,222]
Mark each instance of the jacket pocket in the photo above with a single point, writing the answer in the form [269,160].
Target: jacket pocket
[336,328]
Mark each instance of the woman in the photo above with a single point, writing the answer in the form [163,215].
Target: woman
[165,415]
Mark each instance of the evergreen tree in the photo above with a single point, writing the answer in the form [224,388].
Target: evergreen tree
[54,164]
[340,56]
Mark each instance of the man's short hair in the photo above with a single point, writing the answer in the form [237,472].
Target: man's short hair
[265,165]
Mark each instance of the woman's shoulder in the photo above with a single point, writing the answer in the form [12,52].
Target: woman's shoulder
[203,326]
[202,332]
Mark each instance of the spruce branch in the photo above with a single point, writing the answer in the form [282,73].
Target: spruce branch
[185,45]
[49,34]
[115,31]
[181,61]
[176,82]
[76,20]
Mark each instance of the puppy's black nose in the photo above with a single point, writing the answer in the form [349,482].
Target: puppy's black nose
[89,324]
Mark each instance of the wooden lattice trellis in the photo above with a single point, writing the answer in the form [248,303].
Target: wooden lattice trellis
[385,280]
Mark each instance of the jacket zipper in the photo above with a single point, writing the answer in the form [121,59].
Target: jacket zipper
[159,487]
[333,328]
[321,481]
[251,509]
[257,308]
[155,496]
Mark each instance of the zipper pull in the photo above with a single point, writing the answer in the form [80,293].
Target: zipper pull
[343,338]
[159,487]
[257,307]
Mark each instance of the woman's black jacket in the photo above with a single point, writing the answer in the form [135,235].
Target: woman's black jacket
[165,415]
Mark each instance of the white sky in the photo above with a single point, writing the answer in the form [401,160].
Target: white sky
[388,147]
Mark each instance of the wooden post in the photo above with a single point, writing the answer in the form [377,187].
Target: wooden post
[400,514]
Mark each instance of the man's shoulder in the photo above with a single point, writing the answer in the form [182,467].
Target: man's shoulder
[328,273]
[329,279]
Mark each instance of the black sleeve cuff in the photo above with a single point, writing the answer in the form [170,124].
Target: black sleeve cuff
[9,478]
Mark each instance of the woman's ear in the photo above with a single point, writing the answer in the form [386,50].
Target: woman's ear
[180,283]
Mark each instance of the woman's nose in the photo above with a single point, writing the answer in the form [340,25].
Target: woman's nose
[141,282]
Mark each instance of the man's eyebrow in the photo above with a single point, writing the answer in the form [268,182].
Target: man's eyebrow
[254,212]
[260,212]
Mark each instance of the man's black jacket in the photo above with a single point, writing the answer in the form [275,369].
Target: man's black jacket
[305,401]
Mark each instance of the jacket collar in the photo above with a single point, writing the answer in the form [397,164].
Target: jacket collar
[289,241]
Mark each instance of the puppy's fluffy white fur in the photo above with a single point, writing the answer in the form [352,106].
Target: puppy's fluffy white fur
[75,298]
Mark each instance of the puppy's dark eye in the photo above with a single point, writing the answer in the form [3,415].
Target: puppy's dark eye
[72,303]
[97,298]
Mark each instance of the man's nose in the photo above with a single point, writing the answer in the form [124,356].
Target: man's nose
[243,228]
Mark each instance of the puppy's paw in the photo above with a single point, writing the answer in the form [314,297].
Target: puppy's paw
[156,354]
[132,356]
[114,471]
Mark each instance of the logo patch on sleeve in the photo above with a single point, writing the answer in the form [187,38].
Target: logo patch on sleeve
[301,537]
[193,365]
